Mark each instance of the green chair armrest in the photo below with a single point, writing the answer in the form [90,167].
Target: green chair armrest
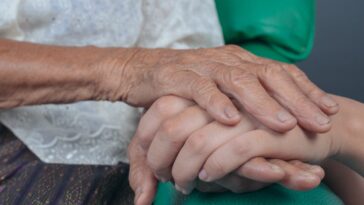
[286,27]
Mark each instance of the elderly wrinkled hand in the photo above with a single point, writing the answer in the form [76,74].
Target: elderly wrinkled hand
[276,94]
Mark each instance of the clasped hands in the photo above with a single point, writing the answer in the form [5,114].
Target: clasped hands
[192,145]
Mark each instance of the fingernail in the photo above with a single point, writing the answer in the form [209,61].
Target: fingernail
[308,176]
[203,175]
[284,116]
[180,189]
[322,120]
[231,112]
[276,168]
[328,101]
[316,169]
[189,188]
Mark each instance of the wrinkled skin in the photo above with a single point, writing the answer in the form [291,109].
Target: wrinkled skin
[268,90]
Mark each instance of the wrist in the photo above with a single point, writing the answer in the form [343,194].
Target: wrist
[114,76]
[348,134]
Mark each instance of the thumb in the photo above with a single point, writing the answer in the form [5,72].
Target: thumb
[141,178]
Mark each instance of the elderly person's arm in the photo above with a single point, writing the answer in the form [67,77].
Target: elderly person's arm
[270,91]
[39,74]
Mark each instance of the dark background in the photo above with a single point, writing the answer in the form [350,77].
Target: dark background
[337,60]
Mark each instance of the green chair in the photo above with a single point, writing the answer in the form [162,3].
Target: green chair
[278,29]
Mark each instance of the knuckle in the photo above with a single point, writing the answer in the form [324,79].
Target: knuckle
[295,71]
[166,105]
[143,137]
[216,165]
[169,129]
[314,92]
[274,70]
[239,77]
[205,90]
[300,76]
[170,133]
[197,143]
[204,86]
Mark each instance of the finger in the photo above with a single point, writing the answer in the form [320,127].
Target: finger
[205,93]
[261,170]
[199,145]
[162,109]
[297,178]
[263,143]
[237,184]
[313,169]
[171,136]
[246,88]
[141,178]
[316,95]
[322,99]
[282,87]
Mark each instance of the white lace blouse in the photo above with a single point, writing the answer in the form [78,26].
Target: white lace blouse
[97,132]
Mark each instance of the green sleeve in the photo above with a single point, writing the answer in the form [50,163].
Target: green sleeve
[282,30]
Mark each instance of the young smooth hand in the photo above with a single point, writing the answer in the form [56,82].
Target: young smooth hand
[179,137]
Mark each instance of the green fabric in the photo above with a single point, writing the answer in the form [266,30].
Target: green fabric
[272,195]
[282,30]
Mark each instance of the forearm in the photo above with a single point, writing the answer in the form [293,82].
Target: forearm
[348,132]
[39,74]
